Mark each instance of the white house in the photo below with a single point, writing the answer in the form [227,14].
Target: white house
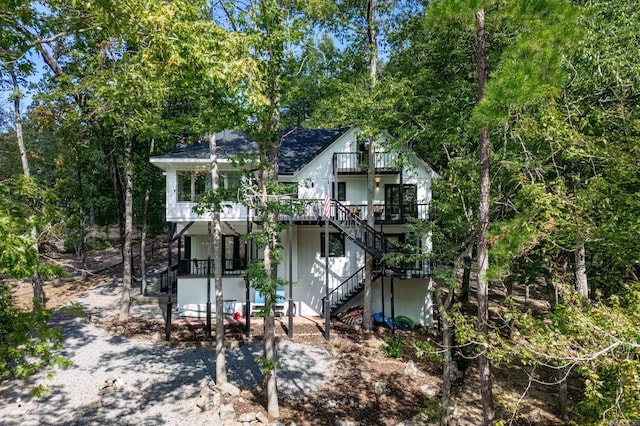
[326,168]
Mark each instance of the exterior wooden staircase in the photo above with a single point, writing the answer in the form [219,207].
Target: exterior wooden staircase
[370,240]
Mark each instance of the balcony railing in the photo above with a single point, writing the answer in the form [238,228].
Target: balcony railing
[383,213]
[200,267]
[356,162]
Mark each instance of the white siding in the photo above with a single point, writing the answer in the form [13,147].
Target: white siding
[192,295]
[413,297]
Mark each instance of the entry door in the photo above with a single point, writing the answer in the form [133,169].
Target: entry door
[399,206]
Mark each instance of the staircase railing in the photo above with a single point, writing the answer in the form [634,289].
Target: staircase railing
[360,232]
[348,289]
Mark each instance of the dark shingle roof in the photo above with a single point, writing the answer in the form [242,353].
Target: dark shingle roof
[299,146]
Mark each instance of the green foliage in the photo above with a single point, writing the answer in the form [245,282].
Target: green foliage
[267,365]
[27,344]
[432,409]
[393,347]
[598,340]
[425,349]
[24,206]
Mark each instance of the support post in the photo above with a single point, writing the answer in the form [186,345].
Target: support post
[290,232]
[167,328]
[382,292]
[393,311]
[248,250]
[209,243]
[327,309]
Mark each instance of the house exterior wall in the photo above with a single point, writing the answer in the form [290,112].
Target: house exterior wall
[192,295]
[412,297]
[316,177]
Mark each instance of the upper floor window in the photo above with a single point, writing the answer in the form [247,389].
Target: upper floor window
[341,194]
[231,181]
[192,184]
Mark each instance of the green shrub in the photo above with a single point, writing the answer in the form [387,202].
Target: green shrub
[27,344]
[393,347]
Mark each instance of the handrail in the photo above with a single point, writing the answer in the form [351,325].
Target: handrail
[199,267]
[356,162]
[348,289]
[368,235]
[362,233]
[351,283]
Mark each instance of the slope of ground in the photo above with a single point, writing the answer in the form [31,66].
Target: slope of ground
[364,385]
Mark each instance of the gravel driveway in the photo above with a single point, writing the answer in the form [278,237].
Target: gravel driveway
[156,384]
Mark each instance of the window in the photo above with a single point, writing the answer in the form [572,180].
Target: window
[400,203]
[234,257]
[201,184]
[336,244]
[192,184]
[342,191]
[231,180]
[184,186]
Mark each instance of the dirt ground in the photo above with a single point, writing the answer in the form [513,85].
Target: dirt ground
[349,394]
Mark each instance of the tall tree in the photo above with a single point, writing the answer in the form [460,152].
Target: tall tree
[27,343]
[221,363]
[273,28]
[482,296]
[358,96]
[526,71]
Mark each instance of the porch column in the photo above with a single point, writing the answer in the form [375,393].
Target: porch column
[290,234]
[382,291]
[327,305]
[393,311]
[209,244]
[167,328]
[248,252]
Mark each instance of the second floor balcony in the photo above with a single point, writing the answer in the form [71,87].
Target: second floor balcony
[357,162]
[389,213]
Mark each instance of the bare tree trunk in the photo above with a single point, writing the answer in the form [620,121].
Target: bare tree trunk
[36,280]
[446,415]
[582,285]
[552,292]
[143,233]
[221,363]
[483,227]
[270,380]
[466,275]
[125,300]
[118,186]
[563,396]
[367,314]
[143,243]
[367,305]
[18,121]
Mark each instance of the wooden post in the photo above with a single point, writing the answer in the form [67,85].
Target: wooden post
[209,243]
[167,329]
[290,234]
[393,311]
[327,305]
[248,251]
